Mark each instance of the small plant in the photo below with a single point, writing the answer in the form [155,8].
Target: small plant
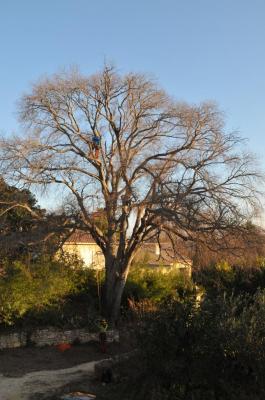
[103,327]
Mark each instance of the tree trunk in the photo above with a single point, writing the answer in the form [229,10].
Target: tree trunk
[116,276]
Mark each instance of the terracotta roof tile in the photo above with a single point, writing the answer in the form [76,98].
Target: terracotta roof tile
[80,237]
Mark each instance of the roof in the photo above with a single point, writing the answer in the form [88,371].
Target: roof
[80,237]
[166,258]
[165,261]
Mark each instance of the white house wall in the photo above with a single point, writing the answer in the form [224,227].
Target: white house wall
[90,253]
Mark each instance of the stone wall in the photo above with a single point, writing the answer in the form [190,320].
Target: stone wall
[52,336]
[12,340]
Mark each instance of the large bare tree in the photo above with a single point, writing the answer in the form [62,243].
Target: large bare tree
[153,165]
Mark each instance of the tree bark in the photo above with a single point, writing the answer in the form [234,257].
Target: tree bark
[116,276]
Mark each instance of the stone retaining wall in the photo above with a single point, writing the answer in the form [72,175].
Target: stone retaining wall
[52,336]
[12,340]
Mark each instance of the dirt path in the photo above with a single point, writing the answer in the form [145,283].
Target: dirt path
[33,373]
[18,362]
[41,384]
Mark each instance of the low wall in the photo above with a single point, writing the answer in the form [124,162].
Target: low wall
[12,340]
[51,336]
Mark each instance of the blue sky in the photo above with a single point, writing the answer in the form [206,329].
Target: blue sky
[197,49]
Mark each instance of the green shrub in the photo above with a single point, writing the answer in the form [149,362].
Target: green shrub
[152,284]
[223,278]
[33,287]
[216,351]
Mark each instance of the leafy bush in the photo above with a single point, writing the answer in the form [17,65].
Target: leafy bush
[222,277]
[35,287]
[151,284]
[216,351]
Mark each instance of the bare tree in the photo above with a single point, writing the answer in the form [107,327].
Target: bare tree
[155,166]
[242,246]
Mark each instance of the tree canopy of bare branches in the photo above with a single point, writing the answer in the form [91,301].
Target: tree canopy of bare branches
[154,165]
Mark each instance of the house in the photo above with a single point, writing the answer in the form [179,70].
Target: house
[150,254]
[161,256]
[84,246]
